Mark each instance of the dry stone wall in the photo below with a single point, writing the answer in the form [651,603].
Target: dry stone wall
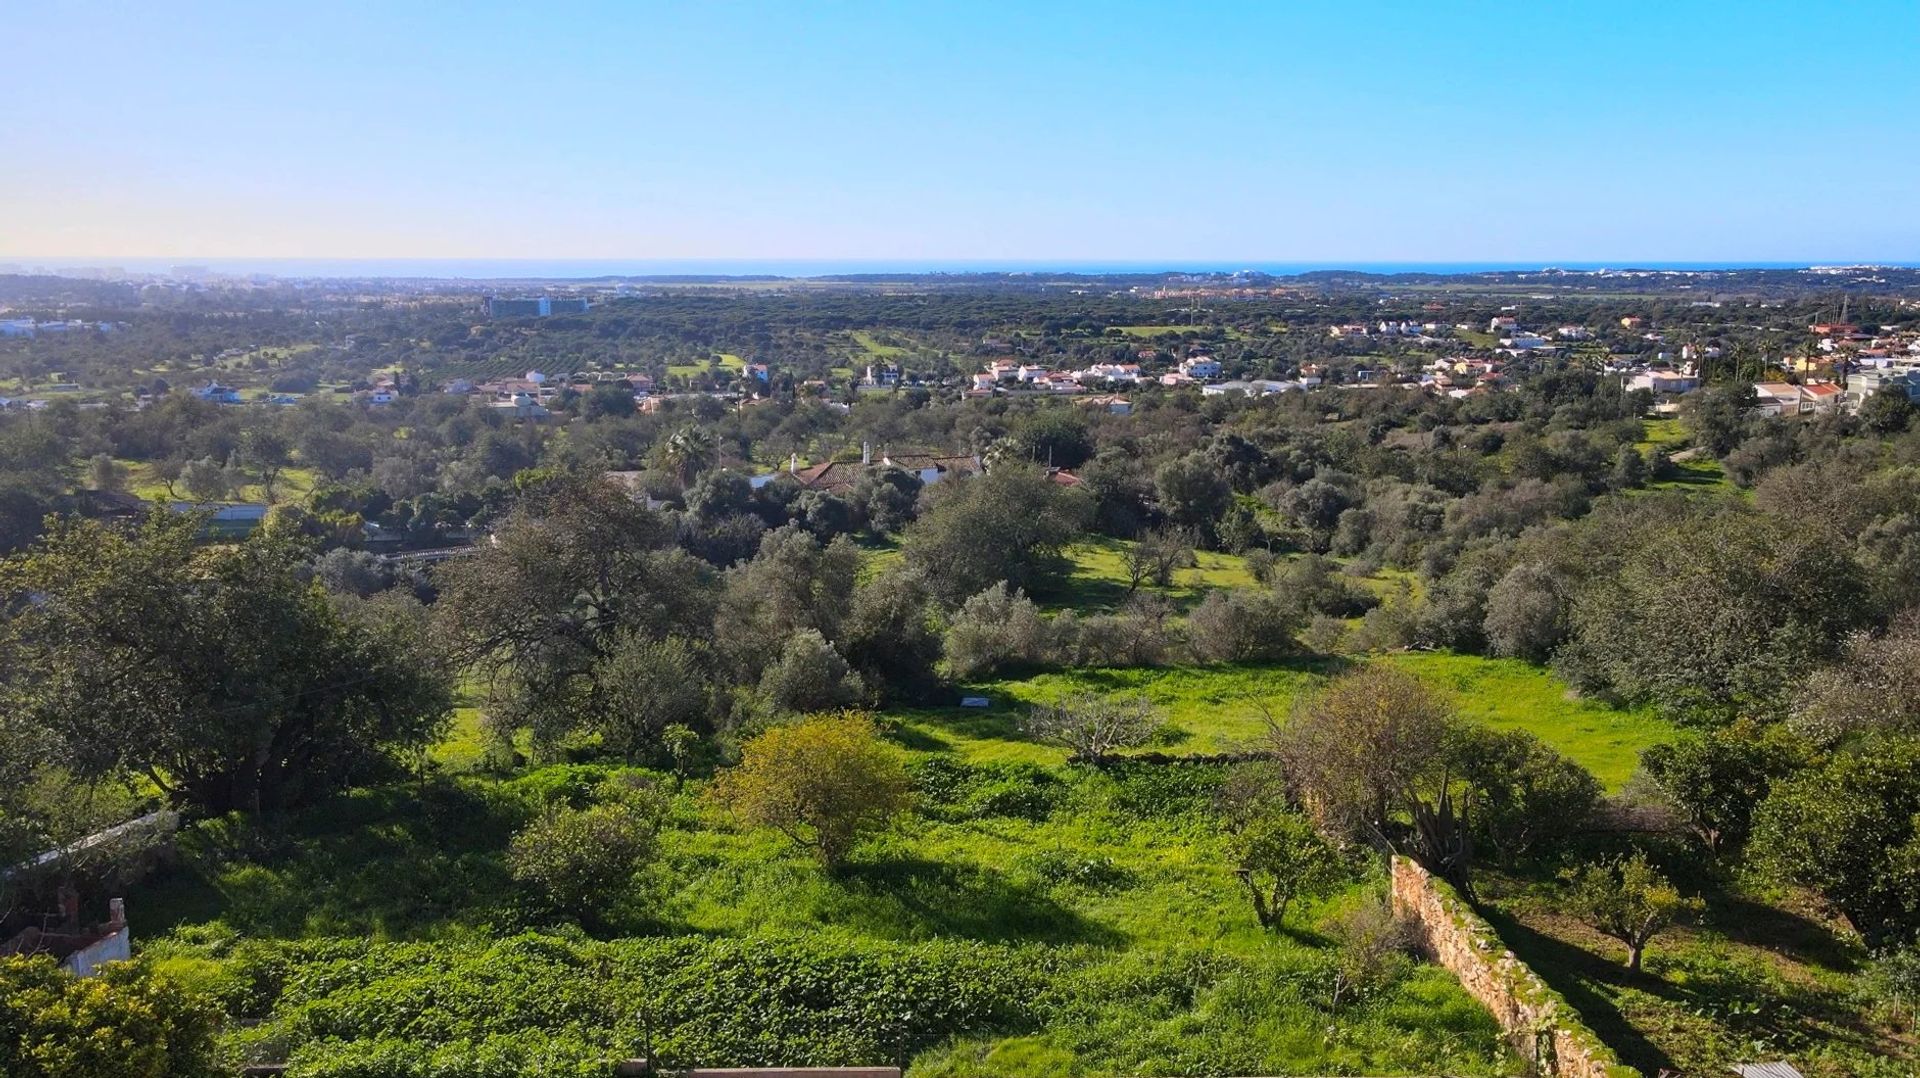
[1538,1021]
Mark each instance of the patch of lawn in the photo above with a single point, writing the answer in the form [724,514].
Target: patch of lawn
[1665,433]
[1158,331]
[866,340]
[1224,708]
[1098,583]
[1508,694]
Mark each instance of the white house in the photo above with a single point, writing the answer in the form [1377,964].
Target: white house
[1200,367]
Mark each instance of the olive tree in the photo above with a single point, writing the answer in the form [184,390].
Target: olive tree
[1091,725]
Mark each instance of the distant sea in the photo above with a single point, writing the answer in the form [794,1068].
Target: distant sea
[562,269]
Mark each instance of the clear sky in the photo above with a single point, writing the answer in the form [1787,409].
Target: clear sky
[1534,130]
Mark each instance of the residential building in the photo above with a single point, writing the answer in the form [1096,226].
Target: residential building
[1777,399]
[1201,367]
[1864,384]
[215,393]
[1661,382]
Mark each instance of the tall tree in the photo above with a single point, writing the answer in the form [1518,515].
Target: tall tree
[576,571]
[1370,755]
[219,673]
[1010,525]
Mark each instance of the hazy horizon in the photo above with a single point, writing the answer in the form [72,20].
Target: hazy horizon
[563,269]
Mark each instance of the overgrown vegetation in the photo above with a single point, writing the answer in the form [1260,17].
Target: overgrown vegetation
[673,762]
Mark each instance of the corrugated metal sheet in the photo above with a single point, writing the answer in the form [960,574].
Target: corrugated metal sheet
[115,948]
[1767,1070]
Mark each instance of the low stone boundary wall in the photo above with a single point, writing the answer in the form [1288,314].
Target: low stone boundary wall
[640,1067]
[1538,1022]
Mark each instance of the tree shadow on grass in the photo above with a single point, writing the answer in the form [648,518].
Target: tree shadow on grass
[917,740]
[998,723]
[1756,924]
[404,861]
[1574,973]
[916,898]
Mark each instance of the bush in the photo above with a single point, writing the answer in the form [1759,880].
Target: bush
[997,630]
[1091,725]
[822,782]
[1242,626]
[810,676]
[1313,585]
[579,858]
[1526,614]
[1529,800]
[124,1022]
[1281,857]
[1138,636]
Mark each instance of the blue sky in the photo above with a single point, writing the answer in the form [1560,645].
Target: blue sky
[1361,131]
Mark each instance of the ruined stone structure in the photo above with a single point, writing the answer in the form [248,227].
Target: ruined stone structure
[1538,1022]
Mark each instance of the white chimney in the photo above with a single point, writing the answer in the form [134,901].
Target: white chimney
[866,453]
[793,463]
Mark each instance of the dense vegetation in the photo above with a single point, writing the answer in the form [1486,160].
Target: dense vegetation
[674,766]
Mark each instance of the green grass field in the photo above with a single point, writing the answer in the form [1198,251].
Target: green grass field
[1508,694]
[1225,708]
[1098,582]
[1113,889]
[291,485]
[1156,331]
[873,347]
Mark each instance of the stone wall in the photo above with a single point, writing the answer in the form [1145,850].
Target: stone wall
[1539,1023]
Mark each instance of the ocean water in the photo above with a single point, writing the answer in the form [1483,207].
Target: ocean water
[562,268]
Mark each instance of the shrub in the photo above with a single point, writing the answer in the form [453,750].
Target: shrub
[997,630]
[1314,585]
[1280,856]
[1092,725]
[579,858]
[1242,626]
[1526,614]
[1528,799]
[124,1022]
[822,782]
[810,676]
[1138,636]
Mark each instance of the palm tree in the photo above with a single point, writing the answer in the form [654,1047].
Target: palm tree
[686,453]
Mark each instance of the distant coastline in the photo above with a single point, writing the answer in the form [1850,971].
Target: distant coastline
[600,268]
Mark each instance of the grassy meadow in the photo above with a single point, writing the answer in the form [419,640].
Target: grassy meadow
[1111,891]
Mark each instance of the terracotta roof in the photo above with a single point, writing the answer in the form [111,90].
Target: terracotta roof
[829,475]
